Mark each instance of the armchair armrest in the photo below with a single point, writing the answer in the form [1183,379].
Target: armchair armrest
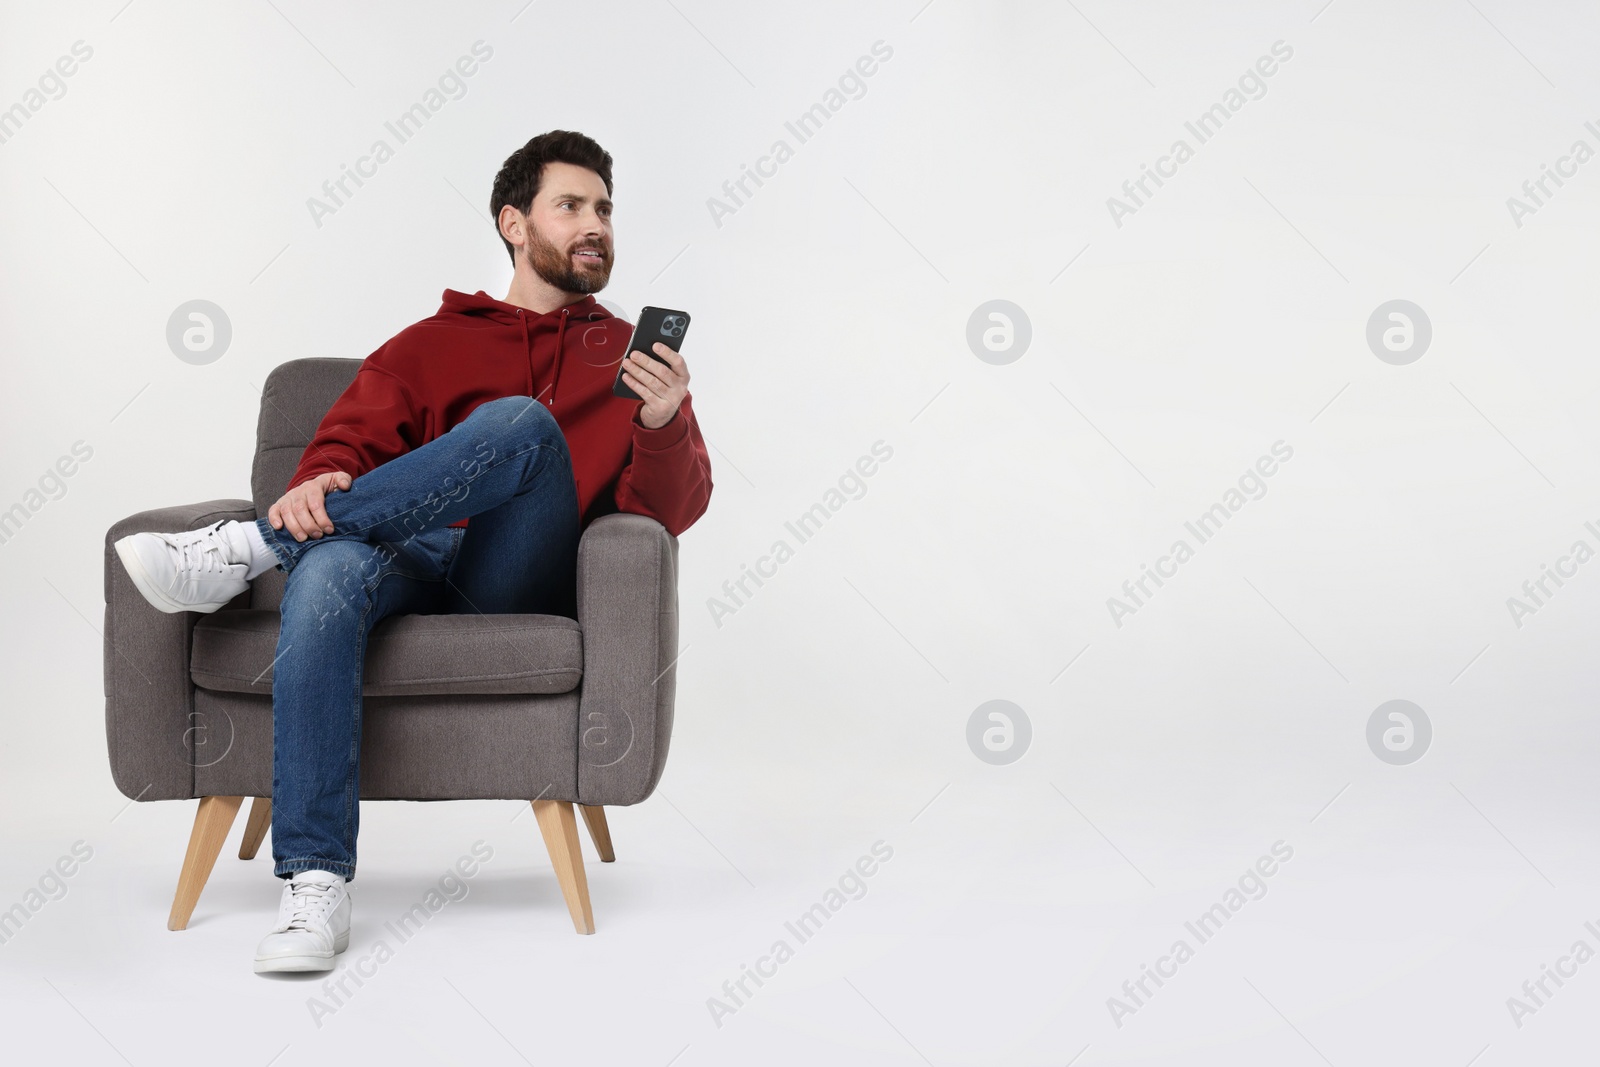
[149,695]
[628,608]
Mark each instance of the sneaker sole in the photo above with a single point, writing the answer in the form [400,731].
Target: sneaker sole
[295,963]
[304,963]
[147,587]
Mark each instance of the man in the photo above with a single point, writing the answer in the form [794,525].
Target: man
[467,414]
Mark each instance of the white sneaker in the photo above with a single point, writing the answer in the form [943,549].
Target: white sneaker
[199,570]
[313,925]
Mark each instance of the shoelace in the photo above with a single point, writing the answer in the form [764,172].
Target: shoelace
[202,555]
[308,901]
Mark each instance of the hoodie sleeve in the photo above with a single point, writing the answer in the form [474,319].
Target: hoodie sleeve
[372,422]
[668,476]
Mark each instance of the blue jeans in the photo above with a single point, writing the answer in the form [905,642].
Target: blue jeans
[393,552]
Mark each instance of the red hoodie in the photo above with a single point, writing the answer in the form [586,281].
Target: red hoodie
[430,376]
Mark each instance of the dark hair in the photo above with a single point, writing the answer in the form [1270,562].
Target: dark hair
[521,174]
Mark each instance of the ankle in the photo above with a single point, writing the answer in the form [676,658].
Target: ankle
[256,555]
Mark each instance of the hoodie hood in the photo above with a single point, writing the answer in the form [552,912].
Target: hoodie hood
[481,303]
[483,306]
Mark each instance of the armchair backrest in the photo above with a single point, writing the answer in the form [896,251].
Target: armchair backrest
[296,396]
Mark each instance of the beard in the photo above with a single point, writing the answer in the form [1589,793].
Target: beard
[556,266]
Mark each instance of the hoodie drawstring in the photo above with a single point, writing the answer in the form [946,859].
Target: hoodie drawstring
[527,346]
[561,333]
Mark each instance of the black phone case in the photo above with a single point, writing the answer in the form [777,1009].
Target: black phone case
[655,324]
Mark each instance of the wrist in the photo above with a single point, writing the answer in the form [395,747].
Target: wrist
[643,421]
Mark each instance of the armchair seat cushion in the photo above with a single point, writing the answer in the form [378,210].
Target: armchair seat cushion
[407,655]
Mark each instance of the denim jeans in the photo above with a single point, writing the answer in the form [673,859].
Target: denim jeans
[393,552]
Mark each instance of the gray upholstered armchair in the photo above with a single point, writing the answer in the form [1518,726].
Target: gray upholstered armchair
[525,707]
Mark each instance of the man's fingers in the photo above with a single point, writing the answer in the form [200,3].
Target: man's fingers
[674,360]
[301,510]
[302,516]
[645,373]
[662,373]
[659,383]
[319,511]
[319,515]
[310,504]
[291,522]
[638,385]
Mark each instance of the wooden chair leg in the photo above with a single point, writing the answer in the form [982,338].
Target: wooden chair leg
[211,825]
[560,830]
[600,833]
[256,827]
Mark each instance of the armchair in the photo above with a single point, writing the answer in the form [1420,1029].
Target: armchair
[567,714]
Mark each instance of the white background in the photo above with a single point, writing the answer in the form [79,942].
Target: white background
[831,710]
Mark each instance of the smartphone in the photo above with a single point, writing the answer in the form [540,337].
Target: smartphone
[655,324]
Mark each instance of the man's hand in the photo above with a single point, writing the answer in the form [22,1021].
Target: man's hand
[660,386]
[300,509]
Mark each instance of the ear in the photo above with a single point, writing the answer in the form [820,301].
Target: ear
[513,225]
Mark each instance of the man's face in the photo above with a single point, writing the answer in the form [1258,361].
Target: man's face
[570,243]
